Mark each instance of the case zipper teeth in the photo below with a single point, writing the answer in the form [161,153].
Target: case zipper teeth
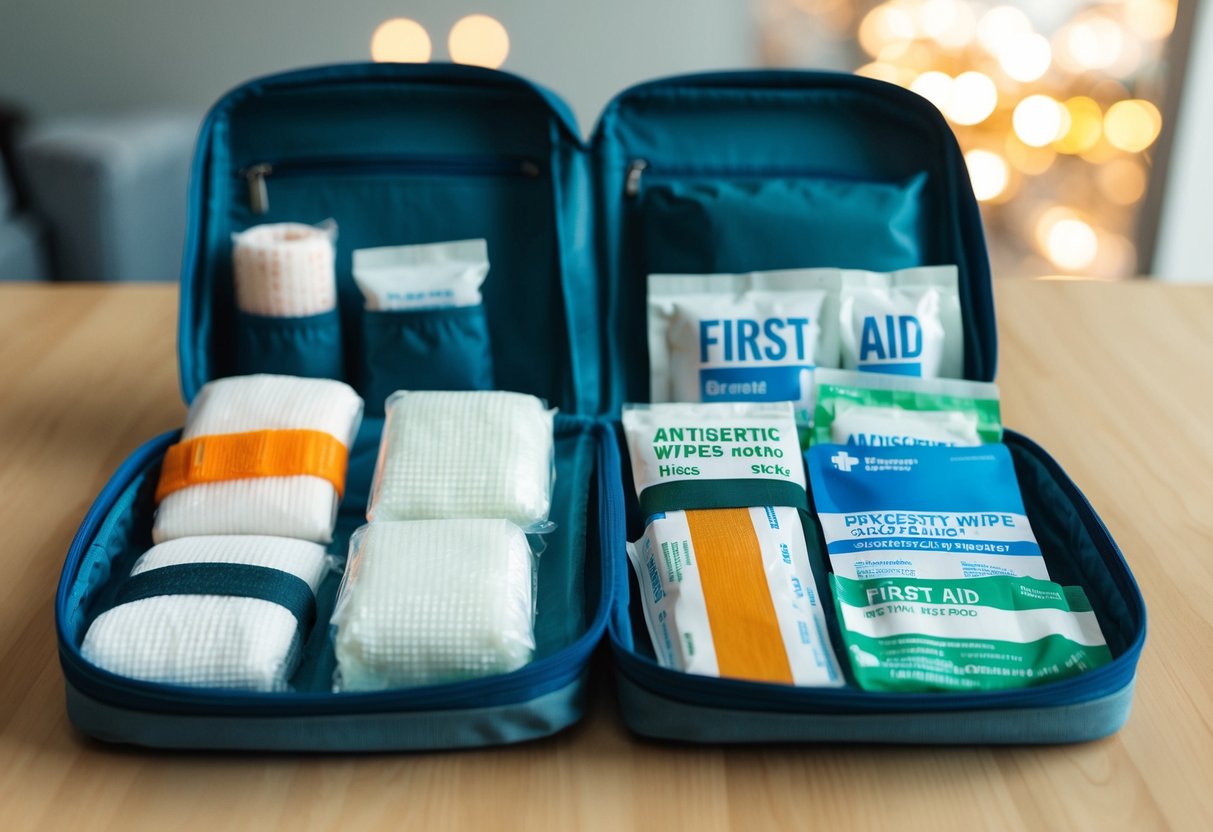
[256,174]
[638,169]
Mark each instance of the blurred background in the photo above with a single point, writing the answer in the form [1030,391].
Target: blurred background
[1084,124]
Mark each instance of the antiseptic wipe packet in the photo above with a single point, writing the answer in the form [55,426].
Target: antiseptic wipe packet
[922,512]
[427,276]
[874,409]
[714,455]
[753,337]
[911,635]
[907,322]
[730,592]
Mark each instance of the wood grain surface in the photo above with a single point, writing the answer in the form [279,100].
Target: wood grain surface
[1116,380]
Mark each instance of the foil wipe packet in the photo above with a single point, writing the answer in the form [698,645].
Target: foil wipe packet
[730,592]
[922,512]
[874,409]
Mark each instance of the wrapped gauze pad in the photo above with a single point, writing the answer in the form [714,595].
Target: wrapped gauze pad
[432,601]
[210,640]
[907,322]
[240,433]
[285,269]
[428,276]
[455,454]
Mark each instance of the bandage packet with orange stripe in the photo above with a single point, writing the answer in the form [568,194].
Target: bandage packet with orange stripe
[723,569]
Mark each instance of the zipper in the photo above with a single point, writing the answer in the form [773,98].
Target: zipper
[256,174]
[639,169]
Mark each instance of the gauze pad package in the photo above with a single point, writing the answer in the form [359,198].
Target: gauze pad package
[905,323]
[433,601]
[259,454]
[913,636]
[714,455]
[285,270]
[742,338]
[922,512]
[874,409]
[730,592]
[486,454]
[428,276]
[181,617]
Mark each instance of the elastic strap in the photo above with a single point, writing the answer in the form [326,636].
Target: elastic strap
[738,493]
[241,580]
[259,453]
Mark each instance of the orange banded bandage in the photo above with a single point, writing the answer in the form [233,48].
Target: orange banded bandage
[260,453]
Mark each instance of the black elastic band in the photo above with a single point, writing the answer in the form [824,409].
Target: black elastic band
[234,579]
[735,493]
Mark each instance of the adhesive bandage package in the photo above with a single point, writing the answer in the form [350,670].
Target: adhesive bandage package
[906,323]
[913,635]
[259,454]
[742,338]
[285,270]
[874,409]
[714,455]
[730,592]
[922,512]
[482,454]
[428,276]
[431,601]
[226,611]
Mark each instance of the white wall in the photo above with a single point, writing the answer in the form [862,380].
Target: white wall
[69,56]
[1182,252]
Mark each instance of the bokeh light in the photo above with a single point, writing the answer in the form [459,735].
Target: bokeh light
[1132,125]
[1068,241]
[1038,120]
[935,87]
[973,98]
[988,172]
[1151,19]
[1091,41]
[479,40]
[1086,125]
[1025,57]
[1001,25]
[1122,181]
[402,41]
[886,31]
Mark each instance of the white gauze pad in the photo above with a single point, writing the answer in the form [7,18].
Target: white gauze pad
[217,641]
[745,337]
[296,506]
[464,454]
[906,322]
[285,269]
[429,276]
[432,601]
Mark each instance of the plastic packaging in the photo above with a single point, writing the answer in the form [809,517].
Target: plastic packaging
[905,323]
[432,601]
[873,409]
[427,276]
[730,592]
[473,454]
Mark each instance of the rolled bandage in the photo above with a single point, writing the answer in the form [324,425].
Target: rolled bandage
[285,269]
[446,455]
[222,611]
[434,601]
[259,455]
[730,592]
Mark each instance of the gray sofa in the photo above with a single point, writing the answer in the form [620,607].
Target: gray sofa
[106,199]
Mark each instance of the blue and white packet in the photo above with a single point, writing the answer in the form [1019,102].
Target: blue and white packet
[922,512]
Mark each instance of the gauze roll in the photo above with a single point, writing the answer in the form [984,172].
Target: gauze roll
[444,455]
[433,601]
[906,322]
[218,641]
[285,270]
[302,506]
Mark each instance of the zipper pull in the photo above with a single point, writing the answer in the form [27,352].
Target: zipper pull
[258,193]
[631,183]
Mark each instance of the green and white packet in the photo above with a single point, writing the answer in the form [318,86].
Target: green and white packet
[971,634]
[875,409]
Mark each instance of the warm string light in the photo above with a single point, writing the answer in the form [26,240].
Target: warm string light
[1038,93]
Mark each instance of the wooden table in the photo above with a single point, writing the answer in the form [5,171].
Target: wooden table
[1114,379]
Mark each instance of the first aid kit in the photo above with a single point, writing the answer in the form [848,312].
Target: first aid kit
[727,173]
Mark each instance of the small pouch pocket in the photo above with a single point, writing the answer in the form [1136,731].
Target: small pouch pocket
[714,226]
[309,346]
[424,349]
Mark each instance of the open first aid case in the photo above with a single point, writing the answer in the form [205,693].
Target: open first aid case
[710,173]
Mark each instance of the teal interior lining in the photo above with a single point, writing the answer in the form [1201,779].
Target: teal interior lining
[568,578]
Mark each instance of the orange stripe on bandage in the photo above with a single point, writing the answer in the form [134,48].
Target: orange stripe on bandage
[749,644]
[259,453]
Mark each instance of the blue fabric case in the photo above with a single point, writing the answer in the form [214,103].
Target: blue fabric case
[727,172]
